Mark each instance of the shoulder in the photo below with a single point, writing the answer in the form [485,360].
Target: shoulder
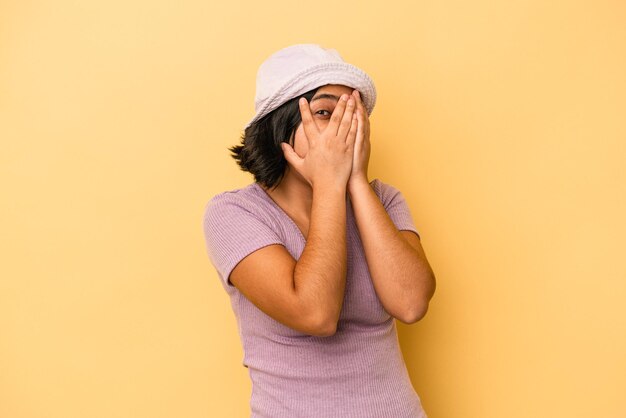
[245,210]
[231,202]
[235,224]
[235,220]
[386,192]
[395,204]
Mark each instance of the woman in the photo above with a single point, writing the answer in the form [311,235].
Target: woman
[318,260]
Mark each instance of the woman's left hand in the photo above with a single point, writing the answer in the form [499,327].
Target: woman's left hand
[361,144]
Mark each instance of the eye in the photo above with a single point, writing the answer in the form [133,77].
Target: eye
[323,110]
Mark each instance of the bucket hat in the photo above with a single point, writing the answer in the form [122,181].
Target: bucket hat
[296,69]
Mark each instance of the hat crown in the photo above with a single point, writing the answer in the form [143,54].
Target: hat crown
[283,64]
[296,69]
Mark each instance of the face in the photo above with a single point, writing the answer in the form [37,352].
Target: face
[322,106]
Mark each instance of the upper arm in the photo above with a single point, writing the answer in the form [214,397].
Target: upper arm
[248,254]
[414,241]
[396,206]
[398,210]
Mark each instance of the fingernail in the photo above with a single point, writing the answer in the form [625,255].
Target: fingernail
[302,100]
[344,97]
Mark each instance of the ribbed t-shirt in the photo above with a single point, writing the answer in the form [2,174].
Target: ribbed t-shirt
[358,372]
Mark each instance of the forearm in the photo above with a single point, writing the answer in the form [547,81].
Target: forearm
[402,278]
[320,272]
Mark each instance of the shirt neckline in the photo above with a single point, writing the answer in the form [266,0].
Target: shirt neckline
[277,206]
[257,186]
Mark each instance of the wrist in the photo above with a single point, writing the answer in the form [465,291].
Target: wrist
[358,180]
[329,186]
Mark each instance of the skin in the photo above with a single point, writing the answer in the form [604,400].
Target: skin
[327,164]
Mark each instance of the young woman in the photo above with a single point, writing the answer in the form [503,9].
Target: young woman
[318,261]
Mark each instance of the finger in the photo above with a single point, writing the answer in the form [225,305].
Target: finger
[360,132]
[337,116]
[361,106]
[362,138]
[291,156]
[346,120]
[362,113]
[359,101]
[309,125]
[366,124]
[351,138]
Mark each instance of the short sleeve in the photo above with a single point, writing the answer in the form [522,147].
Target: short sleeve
[396,206]
[232,231]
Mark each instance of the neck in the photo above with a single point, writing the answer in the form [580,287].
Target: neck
[293,194]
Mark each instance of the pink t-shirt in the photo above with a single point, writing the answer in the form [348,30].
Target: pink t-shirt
[357,372]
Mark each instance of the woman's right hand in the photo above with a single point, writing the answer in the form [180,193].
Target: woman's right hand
[328,161]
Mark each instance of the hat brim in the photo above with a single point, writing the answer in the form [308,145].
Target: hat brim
[320,75]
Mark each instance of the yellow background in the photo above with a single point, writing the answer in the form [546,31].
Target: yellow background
[503,124]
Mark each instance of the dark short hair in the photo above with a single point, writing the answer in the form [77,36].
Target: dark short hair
[259,152]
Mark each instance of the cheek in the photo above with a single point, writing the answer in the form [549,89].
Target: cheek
[301,144]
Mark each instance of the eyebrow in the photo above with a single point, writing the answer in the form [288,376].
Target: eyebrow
[325,96]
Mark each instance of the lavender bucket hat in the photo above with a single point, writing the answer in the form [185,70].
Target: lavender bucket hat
[296,69]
